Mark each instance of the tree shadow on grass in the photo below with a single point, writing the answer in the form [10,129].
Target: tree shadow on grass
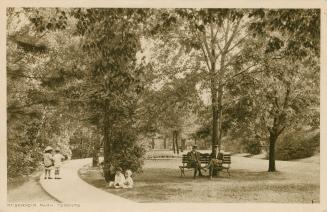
[166,185]
[148,193]
[246,175]
[162,175]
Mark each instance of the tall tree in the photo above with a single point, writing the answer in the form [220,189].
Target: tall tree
[290,59]
[112,39]
[213,38]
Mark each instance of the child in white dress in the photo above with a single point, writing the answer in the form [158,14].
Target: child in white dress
[57,159]
[128,179]
[48,162]
[119,179]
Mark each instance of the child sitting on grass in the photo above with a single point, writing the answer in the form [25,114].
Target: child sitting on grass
[119,179]
[128,179]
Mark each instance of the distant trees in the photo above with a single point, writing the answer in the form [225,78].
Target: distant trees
[170,107]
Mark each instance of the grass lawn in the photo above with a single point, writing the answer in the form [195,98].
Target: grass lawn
[295,182]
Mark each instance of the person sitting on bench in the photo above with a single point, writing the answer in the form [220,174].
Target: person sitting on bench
[194,160]
[216,160]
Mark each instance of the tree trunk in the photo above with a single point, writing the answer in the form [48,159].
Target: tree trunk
[95,155]
[82,149]
[214,120]
[152,144]
[183,145]
[219,115]
[95,158]
[214,103]
[165,142]
[174,142]
[106,144]
[272,142]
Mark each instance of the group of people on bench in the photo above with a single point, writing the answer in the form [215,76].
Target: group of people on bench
[194,157]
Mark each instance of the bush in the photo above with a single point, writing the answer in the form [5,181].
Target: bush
[22,160]
[232,145]
[298,145]
[239,145]
[126,152]
[252,146]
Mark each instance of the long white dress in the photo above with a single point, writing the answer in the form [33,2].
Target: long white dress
[119,181]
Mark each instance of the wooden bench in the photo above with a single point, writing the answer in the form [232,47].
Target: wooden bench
[227,161]
[205,159]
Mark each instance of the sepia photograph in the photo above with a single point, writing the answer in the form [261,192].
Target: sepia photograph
[162,105]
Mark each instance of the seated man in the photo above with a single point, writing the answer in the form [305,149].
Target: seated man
[194,160]
[216,160]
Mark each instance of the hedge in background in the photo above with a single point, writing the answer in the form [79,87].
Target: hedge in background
[298,145]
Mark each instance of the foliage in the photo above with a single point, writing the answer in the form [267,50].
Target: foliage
[82,141]
[283,93]
[208,43]
[128,153]
[36,58]
[298,144]
[110,76]
[252,146]
[113,79]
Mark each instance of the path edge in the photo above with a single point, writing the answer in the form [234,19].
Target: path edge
[46,191]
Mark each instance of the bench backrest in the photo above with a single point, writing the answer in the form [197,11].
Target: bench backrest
[227,159]
[205,158]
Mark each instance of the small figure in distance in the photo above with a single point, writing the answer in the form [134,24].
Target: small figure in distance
[48,162]
[216,160]
[119,179]
[57,158]
[128,179]
[194,160]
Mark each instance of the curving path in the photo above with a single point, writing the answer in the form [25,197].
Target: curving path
[72,189]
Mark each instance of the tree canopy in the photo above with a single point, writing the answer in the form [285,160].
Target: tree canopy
[108,77]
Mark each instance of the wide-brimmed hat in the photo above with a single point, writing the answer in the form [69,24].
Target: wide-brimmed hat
[48,148]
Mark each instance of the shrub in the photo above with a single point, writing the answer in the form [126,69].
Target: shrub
[127,152]
[298,145]
[238,145]
[252,146]
[22,160]
[232,145]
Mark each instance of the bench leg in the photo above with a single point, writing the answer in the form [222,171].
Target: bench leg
[182,172]
[228,172]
